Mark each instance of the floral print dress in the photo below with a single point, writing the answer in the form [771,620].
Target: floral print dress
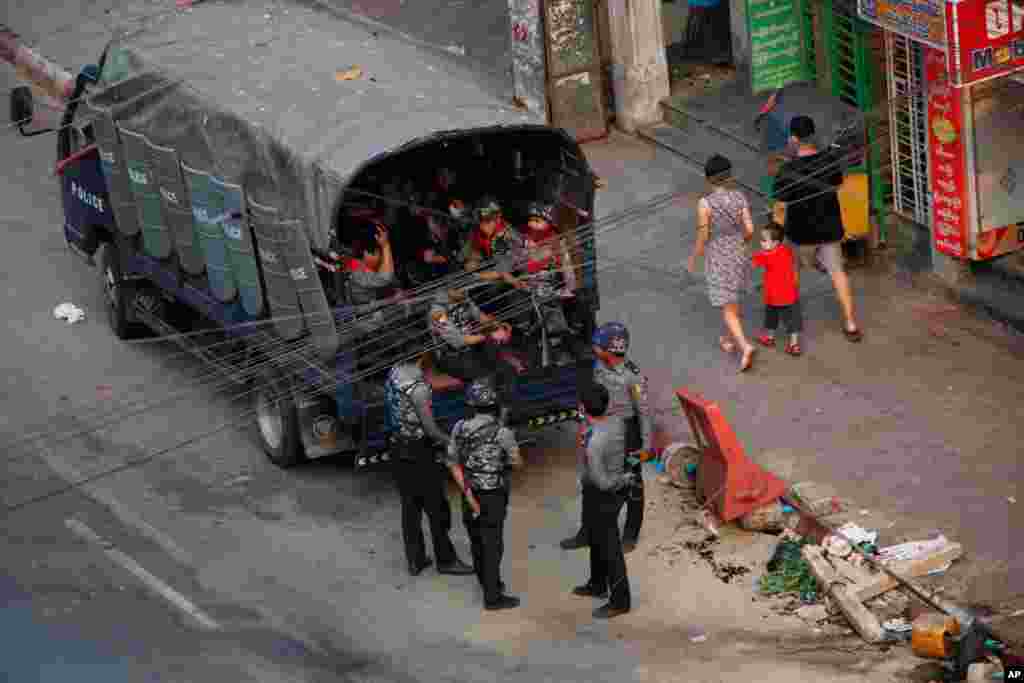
[726,263]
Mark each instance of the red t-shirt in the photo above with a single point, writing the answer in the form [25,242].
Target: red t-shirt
[779,275]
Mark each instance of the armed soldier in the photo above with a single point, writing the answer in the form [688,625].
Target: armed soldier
[479,454]
[627,389]
[421,480]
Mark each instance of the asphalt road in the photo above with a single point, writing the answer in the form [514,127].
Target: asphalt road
[210,563]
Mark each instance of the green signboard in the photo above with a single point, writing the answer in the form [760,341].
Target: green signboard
[778,43]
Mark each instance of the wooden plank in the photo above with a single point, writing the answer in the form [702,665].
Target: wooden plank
[906,569]
[859,616]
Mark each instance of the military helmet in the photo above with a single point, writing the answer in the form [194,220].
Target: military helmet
[612,337]
[541,210]
[481,393]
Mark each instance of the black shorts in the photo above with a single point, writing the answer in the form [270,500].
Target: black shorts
[791,316]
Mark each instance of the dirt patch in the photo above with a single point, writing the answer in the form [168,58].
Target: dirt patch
[724,570]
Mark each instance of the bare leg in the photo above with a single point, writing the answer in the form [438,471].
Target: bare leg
[841,283]
[731,315]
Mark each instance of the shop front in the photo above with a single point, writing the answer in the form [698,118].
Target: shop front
[957,111]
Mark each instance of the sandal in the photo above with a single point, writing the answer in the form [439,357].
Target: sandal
[766,340]
[853,336]
[747,361]
[726,345]
[794,349]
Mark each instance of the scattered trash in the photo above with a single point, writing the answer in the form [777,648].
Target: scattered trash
[104,392]
[699,639]
[706,519]
[240,479]
[787,571]
[912,550]
[350,74]
[930,635]
[769,518]
[857,534]
[69,312]
[898,629]
[1011,499]
[865,512]
[837,546]
[673,463]
[818,499]
[457,50]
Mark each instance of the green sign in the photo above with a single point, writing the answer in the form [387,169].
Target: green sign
[778,44]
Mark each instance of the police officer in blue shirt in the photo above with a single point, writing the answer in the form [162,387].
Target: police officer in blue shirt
[627,390]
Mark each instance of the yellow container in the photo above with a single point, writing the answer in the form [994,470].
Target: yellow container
[853,203]
[931,633]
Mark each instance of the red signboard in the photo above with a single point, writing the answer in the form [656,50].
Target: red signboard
[987,39]
[946,147]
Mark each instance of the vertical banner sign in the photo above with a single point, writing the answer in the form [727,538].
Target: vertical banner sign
[528,68]
[920,20]
[989,39]
[946,145]
[779,54]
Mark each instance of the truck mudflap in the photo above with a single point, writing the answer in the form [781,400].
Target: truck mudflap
[322,433]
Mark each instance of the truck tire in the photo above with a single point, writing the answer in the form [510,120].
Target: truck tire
[118,294]
[277,419]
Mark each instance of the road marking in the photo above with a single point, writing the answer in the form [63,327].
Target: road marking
[172,596]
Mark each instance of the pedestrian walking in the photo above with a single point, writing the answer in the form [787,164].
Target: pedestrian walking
[807,186]
[480,452]
[781,289]
[419,476]
[724,226]
[605,483]
[627,388]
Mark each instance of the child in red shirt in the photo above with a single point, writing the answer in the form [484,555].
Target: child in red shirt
[781,289]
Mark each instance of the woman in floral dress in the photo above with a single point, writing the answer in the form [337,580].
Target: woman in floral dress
[724,226]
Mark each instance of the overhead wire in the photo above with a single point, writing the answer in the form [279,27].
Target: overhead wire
[587,237]
[251,370]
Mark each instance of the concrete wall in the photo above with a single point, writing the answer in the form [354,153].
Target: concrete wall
[740,34]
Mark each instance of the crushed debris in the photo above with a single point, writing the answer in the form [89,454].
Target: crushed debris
[352,73]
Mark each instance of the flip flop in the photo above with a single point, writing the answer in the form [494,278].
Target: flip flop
[766,340]
[726,345]
[747,361]
[853,336]
[794,349]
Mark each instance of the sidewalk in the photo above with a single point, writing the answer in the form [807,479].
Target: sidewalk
[917,423]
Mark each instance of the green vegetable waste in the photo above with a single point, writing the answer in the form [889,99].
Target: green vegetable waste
[789,572]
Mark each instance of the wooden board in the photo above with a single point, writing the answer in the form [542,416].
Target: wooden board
[906,569]
[859,616]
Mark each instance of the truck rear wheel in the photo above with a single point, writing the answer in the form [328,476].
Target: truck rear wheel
[118,294]
[277,419]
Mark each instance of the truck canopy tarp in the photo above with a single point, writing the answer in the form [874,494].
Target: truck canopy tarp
[257,93]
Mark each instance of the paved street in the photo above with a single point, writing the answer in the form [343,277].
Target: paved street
[207,563]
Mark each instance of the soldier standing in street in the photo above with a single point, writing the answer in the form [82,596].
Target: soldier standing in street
[605,483]
[627,389]
[479,454]
[421,480]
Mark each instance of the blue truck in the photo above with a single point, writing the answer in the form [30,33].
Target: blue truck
[212,163]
